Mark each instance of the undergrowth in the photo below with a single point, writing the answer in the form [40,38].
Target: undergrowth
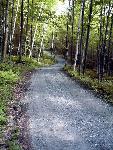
[104,88]
[10,74]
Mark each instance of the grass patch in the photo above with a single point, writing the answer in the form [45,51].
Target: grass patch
[10,74]
[13,144]
[104,88]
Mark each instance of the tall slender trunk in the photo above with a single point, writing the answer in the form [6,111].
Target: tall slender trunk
[34,36]
[11,29]
[109,45]
[15,18]
[27,26]
[21,32]
[67,28]
[100,45]
[87,37]
[81,36]
[52,44]
[72,32]
[41,44]
[104,46]
[1,29]
[6,30]
[41,48]
[31,40]
[67,34]
[77,41]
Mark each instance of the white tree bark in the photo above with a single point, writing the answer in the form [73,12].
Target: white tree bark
[30,50]
[14,25]
[77,42]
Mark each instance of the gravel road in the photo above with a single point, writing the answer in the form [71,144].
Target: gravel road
[65,116]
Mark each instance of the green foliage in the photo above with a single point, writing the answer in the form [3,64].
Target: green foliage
[105,88]
[3,119]
[5,96]
[47,60]
[9,75]
[13,145]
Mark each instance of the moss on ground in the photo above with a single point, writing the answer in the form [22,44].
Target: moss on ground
[104,88]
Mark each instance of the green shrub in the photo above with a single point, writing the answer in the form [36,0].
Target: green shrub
[3,119]
[14,145]
[105,87]
[8,77]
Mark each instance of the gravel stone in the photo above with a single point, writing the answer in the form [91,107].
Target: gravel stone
[65,116]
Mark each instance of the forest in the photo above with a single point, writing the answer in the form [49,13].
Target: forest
[84,31]
[81,31]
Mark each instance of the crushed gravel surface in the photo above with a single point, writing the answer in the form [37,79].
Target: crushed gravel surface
[65,116]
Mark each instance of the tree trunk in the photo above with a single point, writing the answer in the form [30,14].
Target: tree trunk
[21,31]
[104,47]
[87,37]
[5,30]
[109,45]
[77,41]
[27,26]
[81,36]
[1,29]
[11,30]
[15,18]
[72,32]
[30,53]
[100,45]
[31,40]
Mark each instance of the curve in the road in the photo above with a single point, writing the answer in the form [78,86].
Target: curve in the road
[65,116]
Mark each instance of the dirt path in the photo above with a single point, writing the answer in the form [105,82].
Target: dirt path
[64,116]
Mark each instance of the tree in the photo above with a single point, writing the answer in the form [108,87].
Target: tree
[21,31]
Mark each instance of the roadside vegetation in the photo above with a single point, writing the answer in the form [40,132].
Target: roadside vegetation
[10,75]
[90,80]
